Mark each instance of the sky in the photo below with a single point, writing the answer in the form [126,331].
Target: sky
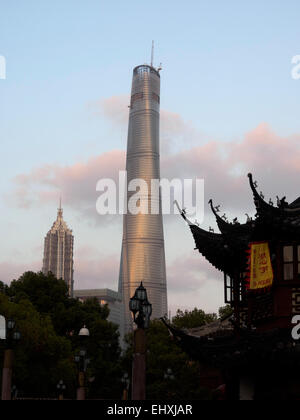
[229,105]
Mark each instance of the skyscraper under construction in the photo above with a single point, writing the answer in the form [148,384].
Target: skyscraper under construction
[143,251]
[58,252]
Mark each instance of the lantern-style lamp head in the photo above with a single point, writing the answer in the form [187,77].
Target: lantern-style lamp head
[11,324]
[134,305]
[84,332]
[17,336]
[140,307]
[147,309]
[141,293]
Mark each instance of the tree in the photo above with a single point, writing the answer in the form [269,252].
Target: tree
[192,319]
[225,312]
[3,288]
[164,354]
[42,357]
[49,322]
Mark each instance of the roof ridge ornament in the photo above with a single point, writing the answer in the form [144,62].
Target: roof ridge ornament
[249,219]
[259,198]
[220,219]
[183,213]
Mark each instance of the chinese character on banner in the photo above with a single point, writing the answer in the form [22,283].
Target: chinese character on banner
[260,274]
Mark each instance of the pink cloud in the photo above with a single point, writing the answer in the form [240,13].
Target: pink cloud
[94,271]
[274,160]
[10,270]
[76,183]
[193,282]
[190,278]
[189,273]
[115,109]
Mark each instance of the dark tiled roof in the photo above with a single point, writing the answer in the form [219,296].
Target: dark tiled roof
[227,251]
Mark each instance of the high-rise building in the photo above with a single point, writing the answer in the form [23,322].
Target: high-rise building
[58,252]
[143,251]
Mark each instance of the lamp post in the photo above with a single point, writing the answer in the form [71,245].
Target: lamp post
[82,362]
[169,376]
[12,337]
[126,381]
[142,311]
[61,389]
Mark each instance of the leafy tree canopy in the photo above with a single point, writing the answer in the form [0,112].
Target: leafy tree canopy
[193,319]
[225,312]
[49,322]
[165,355]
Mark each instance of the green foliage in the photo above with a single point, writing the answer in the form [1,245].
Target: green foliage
[3,288]
[225,312]
[193,319]
[164,354]
[49,322]
[42,356]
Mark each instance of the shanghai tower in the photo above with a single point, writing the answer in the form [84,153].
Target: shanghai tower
[143,250]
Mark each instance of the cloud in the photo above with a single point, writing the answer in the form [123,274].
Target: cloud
[189,273]
[94,271]
[76,183]
[193,282]
[115,109]
[274,160]
[10,270]
[175,132]
[186,153]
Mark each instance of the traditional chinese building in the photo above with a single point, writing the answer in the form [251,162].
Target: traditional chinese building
[253,349]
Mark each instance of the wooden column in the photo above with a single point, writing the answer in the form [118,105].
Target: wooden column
[81,389]
[7,375]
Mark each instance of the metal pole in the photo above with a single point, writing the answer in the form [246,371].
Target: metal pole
[139,366]
[125,395]
[7,375]
[81,389]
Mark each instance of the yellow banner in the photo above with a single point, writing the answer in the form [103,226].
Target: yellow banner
[261,270]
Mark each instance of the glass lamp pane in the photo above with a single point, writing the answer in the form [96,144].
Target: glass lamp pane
[147,309]
[288,254]
[141,294]
[288,271]
[134,305]
[11,324]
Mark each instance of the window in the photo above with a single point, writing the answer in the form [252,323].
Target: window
[288,261]
[291,262]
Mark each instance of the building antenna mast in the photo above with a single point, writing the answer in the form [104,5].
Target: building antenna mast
[152,54]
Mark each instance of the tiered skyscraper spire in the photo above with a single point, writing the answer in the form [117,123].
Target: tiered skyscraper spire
[58,251]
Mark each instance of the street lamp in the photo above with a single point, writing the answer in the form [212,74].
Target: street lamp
[141,309]
[10,325]
[169,375]
[11,337]
[126,381]
[14,392]
[170,379]
[61,389]
[82,362]
[84,332]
